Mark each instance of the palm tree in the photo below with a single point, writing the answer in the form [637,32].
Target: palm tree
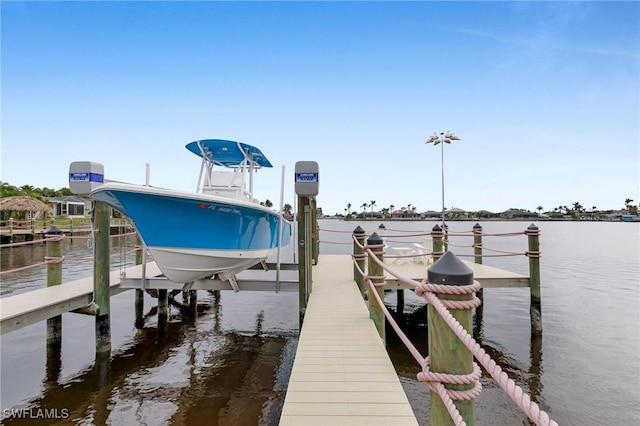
[348,209]
[373,203]
[539,208]
[364,209]
[286,211]
[627,202]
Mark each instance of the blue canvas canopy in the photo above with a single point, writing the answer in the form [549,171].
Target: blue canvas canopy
[228,153]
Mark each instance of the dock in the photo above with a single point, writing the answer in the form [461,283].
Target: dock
[342,373]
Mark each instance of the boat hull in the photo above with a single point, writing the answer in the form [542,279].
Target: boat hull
[192,236]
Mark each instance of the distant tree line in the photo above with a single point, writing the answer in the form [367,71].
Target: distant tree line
[8,190]
[576,211]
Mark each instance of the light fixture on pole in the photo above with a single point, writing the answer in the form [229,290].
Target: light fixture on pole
[442,138]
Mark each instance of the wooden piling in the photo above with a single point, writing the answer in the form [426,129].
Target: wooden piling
[447,354]
[139,297]
[477,243]
[315,231]
[375,271]
[193,302]
[436,239]
[477,257]
[163,310]
[445,239]
[54,324]
[358,254]
[535,309]
[101,285]
[304,254]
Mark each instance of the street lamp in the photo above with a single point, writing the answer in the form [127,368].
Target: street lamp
[442,138]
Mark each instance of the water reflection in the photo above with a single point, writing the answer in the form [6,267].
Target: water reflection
[188,374]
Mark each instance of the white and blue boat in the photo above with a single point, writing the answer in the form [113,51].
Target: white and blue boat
[219,229]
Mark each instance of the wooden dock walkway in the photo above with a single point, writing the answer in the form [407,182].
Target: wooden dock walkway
[342,373]
[38,305]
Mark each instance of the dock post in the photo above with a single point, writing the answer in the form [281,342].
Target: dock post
[315,235]
[304,254]
[376,274]
[477,243]
[358,255]
[193,303]
[535,310]
[101,284]
[447,354]
[477,257]
[139,298]
[54,325]
[436,238]
[163,311]
[445,239]
[10,230]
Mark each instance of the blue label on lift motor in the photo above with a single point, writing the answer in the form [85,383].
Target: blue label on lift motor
[306,177]
[86,177]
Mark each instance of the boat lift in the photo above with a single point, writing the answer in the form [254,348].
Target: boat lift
[260,277]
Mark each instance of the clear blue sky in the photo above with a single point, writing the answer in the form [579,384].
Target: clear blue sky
[545,96]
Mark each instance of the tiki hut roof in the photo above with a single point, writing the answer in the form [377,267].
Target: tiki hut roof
[23,204]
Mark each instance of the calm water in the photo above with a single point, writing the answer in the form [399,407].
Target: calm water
[231,364]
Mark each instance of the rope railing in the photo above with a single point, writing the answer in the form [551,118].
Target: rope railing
[50,260]
[425,253]
[436,381]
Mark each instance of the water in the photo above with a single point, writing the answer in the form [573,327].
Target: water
[231,364]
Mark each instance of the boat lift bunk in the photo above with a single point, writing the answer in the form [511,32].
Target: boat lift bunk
[260,277]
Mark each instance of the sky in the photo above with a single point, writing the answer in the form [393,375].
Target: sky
[545,97]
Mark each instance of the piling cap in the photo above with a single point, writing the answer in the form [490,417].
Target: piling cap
[477,225]
[436,229]
[449,270]
[381,226]
[54,230]
[358,230]
[374,239]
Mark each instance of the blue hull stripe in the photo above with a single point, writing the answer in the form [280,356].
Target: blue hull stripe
[167,221]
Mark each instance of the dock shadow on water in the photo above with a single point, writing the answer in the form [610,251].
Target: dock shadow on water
[228,365]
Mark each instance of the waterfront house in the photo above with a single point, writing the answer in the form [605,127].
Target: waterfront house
[70,206]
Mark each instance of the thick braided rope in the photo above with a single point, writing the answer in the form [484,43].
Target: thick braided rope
[517,395]
[24,268]
[515,392]
[436,381]
[24,243]
[52,259]
[376,280]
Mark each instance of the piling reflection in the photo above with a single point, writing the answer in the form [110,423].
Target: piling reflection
[193,375]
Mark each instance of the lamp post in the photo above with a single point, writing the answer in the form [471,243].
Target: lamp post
[441,139]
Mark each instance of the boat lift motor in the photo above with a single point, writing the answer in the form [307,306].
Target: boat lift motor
[307,178]
[85,176]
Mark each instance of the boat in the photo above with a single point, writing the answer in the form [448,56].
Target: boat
[218,230]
